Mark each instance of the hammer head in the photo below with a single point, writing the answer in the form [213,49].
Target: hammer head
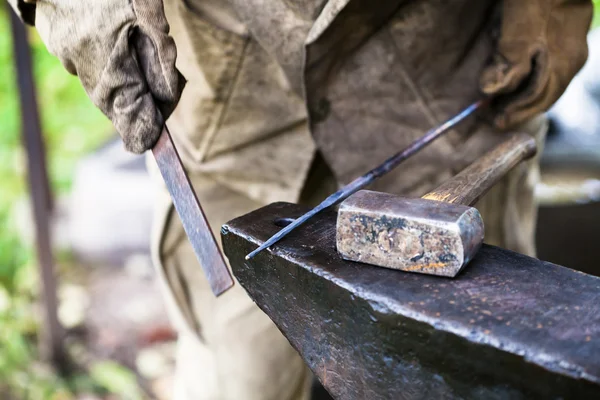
[408,234]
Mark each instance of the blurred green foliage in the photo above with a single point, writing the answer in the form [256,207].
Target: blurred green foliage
[71,128]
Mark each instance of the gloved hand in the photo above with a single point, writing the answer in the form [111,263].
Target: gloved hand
[542,46]
[124,57]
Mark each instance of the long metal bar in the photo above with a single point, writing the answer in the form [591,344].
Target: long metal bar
[368,178]
[192,216]
[52,333]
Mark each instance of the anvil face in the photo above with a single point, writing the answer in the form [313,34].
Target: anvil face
[408,234]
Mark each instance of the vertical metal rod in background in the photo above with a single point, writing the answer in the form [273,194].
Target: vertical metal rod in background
[52,333]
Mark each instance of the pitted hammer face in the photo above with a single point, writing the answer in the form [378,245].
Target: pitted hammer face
[417,235]
[437,234]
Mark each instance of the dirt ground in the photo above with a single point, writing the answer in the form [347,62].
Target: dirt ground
[118,314]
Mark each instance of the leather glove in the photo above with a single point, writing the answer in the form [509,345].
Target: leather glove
[542,46]
[124,57]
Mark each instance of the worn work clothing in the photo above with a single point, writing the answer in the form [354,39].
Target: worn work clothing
[249,131]
[243,132]
[541,48]
[272,81]
[542,45]
[228,348]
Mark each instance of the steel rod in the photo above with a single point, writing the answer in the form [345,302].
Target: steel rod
[377,172]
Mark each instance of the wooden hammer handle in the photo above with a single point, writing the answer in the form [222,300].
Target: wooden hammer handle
[474,181]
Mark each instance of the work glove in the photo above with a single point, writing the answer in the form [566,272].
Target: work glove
[542,46]
[123,55]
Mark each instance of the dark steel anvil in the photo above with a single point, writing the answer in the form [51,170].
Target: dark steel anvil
[508,327]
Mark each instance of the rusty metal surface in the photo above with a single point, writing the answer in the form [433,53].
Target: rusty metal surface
[192,216]
[416,235]
[508,327]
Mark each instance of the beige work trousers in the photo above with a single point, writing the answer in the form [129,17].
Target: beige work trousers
[227,348]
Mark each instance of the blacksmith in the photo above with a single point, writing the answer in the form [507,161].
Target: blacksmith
[285,100]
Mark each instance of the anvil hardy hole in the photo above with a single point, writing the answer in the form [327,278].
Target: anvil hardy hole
[283,222]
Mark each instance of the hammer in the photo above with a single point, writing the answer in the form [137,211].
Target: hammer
[437,234]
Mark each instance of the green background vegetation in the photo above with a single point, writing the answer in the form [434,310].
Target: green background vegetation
[72,127]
